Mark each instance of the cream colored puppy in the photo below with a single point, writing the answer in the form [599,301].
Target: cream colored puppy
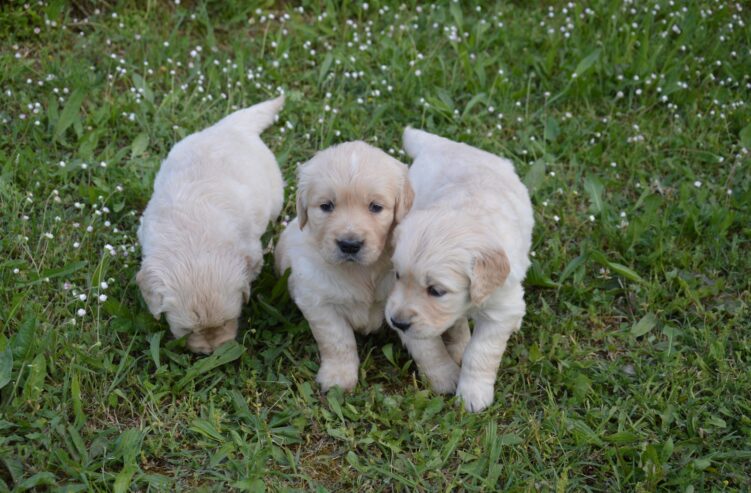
[201,232]
[349,198]
[460,253]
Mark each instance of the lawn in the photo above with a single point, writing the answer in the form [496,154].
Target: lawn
[629,122]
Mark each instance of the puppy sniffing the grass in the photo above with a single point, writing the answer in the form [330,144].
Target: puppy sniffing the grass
[349,198]
[461,252]
[201,232]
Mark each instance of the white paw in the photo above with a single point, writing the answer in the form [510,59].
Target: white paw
[476,395]
[443,379]
[332,374]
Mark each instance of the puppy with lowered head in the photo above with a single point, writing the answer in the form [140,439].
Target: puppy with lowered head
[461,252]
[349,198]
[201,232]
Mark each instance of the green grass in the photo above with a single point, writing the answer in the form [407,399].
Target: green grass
[632,368]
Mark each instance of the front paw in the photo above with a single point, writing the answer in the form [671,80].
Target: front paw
[331,374]
[197,343]
[443,380]
[475,395]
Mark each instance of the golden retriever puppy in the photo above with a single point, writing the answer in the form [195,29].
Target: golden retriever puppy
[201,232]
[461,252]
[349,198]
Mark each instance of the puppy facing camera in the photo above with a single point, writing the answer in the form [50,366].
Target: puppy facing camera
[349,199]
[200,234]
[461,253]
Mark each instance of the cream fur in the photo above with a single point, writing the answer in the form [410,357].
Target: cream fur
[200,233]
[468,237]
[338,293]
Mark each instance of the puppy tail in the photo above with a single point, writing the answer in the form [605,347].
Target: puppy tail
[415,140]
[258,117]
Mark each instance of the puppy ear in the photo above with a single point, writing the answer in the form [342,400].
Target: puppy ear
[404,200]
[489,272]
[152,290]
[302,207]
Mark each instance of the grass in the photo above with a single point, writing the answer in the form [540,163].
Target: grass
[629,123]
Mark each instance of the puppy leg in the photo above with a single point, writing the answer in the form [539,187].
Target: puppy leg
[433,361]
[483,356]
[338,348]
[456,339]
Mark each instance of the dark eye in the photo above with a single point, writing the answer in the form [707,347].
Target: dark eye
[327,206]
[435,292]
[397,275]
[375,208]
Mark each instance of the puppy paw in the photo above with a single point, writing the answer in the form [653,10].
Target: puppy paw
[475,395]
[197,343]
[333,374]
[443,379]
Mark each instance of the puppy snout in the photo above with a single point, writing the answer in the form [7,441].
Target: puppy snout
[349,246]
[400,324]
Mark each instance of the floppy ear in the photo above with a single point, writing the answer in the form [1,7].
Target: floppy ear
[489,272]
[404,200]
[302,207]
[151,288]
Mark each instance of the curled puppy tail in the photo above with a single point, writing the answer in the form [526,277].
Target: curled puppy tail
[417,141]
[256,118]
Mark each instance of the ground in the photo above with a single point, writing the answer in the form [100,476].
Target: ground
[628,121]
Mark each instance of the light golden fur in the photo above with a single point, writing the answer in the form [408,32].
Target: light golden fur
[461,252]
[342,293]
[200,233]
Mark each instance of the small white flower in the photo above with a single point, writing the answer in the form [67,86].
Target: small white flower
[81,312]
[697,184]
[102,298]
[104,285]
[556,218]
[82,297]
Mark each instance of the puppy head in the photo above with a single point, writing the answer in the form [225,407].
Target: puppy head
[444,265]
[203,292]
[350,196]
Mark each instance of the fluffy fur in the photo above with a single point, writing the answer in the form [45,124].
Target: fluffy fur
[461,252]
[347,194]
[200,234]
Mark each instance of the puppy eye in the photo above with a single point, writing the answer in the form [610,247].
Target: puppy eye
[375,208]
[435,292]
[327,206]
[397,275]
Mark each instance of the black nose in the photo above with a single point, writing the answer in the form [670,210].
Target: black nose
[350,247]
[400,324]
